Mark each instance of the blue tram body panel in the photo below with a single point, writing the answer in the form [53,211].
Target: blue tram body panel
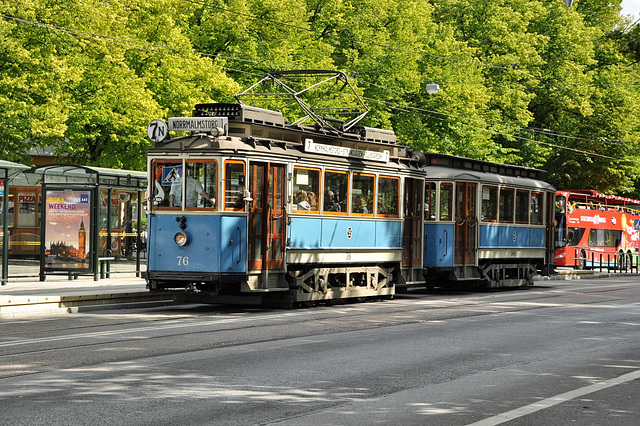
[438,244]
[330,233]
[506,236]
[217,244]
[389,234]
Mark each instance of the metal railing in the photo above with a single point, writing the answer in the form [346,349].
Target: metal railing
[617,262]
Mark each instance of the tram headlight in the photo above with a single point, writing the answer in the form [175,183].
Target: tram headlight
[180,239]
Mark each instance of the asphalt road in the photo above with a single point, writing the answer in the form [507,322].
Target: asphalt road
[564,352]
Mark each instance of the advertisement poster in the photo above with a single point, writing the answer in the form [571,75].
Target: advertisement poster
[67,227]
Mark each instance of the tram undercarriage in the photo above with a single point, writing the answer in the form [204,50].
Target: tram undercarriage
[493,274]
[310,284]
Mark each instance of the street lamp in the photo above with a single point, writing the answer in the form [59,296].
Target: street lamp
[432,88]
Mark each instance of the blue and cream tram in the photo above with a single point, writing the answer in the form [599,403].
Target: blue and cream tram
[485,222]
[300,212]
[245,206]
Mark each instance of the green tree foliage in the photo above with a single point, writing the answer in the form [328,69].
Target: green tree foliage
[88,76]
[530,82]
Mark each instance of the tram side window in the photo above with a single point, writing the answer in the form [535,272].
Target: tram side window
[165,175]
[234,181]
[336,186]
[430,201]
[506,205]
[446,198]
[489,203]
[388,191]
[362,192]
[536,208]
[202,178]
[522,206]
[306,187]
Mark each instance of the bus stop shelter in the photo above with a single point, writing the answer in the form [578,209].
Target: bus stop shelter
[8,170]
[91,217]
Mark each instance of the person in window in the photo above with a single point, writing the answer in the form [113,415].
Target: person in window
[194,188]
[360,205]
[331,202]
[303,200]
[313,201]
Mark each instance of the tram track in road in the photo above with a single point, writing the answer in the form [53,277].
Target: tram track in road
[478,304]
[414,355]
[196,333]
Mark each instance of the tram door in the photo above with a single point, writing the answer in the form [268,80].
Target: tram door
[412,232]
[466,220]
[267,217]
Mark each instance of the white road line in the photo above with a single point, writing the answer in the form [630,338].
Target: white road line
[555,400]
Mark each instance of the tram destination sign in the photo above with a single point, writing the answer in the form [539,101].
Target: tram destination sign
[199,124]
[343,151]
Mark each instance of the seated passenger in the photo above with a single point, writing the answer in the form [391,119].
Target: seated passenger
[331,202]
[313,201]
[302,200]
[360,205]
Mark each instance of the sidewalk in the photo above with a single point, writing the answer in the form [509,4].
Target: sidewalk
[25,295]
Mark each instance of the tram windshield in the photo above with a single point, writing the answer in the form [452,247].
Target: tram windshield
[167,184]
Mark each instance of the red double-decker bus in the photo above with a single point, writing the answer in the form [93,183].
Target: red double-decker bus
[594,230]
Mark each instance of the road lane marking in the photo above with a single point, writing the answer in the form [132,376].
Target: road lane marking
[555,400]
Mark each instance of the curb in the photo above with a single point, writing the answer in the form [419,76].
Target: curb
[26,306]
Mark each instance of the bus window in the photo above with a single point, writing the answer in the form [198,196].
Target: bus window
[522,206]
[234,182]
[362,188]
[388,191]
[430,201]
[575,236]
[336,186]
[490,203]
[506,205]
[306,187]
[604,237]
[446,197]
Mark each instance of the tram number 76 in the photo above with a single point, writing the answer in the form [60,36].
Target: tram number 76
[183,260]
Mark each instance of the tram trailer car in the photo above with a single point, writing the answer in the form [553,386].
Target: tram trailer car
[486,223]
[300,215]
